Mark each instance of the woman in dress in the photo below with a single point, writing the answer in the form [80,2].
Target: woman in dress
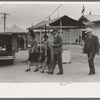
[33,52]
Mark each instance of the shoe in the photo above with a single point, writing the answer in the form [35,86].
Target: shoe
[28,70]
[59,73]
[40,67]
[93,72]
[50,72]
[36,70]
[90,73]
[42,71]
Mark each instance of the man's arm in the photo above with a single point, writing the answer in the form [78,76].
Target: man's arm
[97,45]
[84,47]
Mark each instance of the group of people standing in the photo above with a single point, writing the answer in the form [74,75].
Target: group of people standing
[51,53]
[48,54]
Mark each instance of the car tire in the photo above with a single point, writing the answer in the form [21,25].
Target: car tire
[11,61]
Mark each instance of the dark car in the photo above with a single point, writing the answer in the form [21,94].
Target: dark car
[7,51]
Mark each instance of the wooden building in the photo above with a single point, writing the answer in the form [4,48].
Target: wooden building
[92,21]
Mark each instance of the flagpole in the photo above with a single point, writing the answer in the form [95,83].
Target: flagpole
[83,10]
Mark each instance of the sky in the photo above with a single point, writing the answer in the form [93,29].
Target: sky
[26,14]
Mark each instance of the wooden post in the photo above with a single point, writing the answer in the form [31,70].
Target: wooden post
[45,30]
[26,42]
[40,39]
[61,28]
[70,39]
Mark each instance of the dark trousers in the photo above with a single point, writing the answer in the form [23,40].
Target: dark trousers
[91,56]
[57,58]
[22,47]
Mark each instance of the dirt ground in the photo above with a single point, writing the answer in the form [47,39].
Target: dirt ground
[77,71]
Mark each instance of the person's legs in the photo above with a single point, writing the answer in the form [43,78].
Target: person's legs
[53,64]
[42,59]
[49,60]
[79,42]
[29,65]
[36,57]
[44,67]
[23,47]
[37,69]
[91,62]
[59,58]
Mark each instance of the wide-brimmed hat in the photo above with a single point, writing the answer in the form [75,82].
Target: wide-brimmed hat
[88,30]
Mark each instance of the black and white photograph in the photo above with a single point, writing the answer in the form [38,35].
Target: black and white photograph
[49,42]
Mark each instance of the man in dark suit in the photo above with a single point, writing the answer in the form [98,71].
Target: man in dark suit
[91,47]
[57,53]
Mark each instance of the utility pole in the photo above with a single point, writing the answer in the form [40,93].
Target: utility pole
[4,19]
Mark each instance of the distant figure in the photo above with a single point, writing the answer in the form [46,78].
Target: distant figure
[76,41]
[91,47]
[80,38]
[22,43]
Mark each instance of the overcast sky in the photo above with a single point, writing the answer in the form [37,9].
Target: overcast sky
[26,14]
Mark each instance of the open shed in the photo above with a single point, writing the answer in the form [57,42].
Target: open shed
[64,23]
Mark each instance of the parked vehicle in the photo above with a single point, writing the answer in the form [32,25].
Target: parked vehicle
[7,51]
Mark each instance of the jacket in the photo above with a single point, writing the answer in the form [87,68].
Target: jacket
[91,45]
[57,45]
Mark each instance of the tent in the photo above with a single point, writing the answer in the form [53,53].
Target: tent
[16,30]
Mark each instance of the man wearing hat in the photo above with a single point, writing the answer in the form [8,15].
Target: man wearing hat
[91,47]
[57,52]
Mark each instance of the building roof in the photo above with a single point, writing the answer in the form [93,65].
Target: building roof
[2,33]
[91,18]
[43,23]
[16,29]
[67,22]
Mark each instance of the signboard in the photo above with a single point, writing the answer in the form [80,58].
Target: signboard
[66,56]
